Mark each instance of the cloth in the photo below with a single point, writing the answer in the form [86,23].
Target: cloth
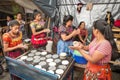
[62,46]
[64,30]
[97,72]
[104,48]
[117,23]
[40,39]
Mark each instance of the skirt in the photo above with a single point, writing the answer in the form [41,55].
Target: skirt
[39,40]
[97,72]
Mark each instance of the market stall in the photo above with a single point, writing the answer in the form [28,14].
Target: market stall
[39,64]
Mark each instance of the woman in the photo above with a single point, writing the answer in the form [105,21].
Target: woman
[82,37]
[109,19]
[66,33]
[38,38]
[100,51]
[12,42]
[22,24]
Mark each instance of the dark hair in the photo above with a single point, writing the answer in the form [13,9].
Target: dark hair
[67,18]
[111,18]
[18,13]
[35,13]
[13,23]
[105,30]
[80,23]
[79,9]
[10,16]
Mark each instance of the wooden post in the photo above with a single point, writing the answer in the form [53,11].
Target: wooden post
[48,26]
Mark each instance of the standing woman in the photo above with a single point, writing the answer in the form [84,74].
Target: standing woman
[66,33]
[12,42]
[100,52]
[20,20]
[38,38]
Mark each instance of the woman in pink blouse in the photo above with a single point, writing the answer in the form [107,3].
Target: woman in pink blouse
[100,51]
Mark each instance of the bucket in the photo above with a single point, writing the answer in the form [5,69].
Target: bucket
[49,46]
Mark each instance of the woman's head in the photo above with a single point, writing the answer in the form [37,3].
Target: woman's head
[101,26]
[81,25]
[14,26]
[37,15]
[67,20]
[19,15]
[9,17]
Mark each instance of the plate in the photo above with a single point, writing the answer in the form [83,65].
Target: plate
[23,57]
[49,60]
[52,64]
[59,71]
[65,62]
[55,56]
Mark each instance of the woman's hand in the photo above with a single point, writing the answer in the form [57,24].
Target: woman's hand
[76,32]
[76,47]
[22,46]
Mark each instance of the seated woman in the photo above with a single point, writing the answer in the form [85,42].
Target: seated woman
[12,42]
[38,38]
[66,33]
[82,37]
[100,52]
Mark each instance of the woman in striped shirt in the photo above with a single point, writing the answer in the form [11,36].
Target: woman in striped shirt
[100,52]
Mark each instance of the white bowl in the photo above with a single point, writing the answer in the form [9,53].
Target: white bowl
[57,60]
[42,58]
[65,62]
[36,61]
[42,63]
[52,64]
[36,57]
[59,71]
[31,54]
[33,51]
[55,56]
[63,55]
[50,71]
[29,59]
[43,53]
[23,57]
[37,53]
[38,66]
[49,60]
[52,68]
[76,43]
